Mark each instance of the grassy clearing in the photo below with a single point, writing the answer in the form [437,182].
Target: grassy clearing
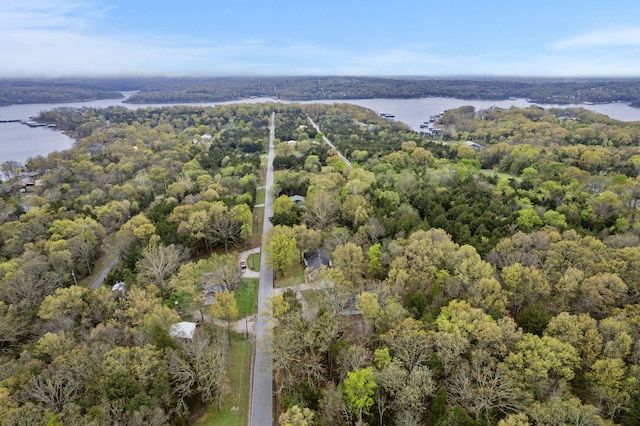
[292,276]
[247,297]
[312,297]
[501,175]
[235,409]
[253,262]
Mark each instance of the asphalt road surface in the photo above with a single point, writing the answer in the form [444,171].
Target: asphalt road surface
[262,384]
[315,126]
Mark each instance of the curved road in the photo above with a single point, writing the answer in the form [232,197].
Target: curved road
[261,413]
[103,274]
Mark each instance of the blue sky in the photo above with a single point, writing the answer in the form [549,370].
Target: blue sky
[568,38]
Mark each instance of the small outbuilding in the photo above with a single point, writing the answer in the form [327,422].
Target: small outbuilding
[119,289]
[182,330]
[474,145]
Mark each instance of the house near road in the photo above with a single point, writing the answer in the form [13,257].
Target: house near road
[315,259]
[210,288]
[297,199]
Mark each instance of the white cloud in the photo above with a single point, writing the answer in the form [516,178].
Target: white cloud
[628,36]
[43,14]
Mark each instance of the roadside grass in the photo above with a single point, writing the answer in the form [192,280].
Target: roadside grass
[101,262]
[292,276]
[261,194]
[255,239]
[253,261]
[264,159]
[235,409]
[98,266]
[258,219]
[247,297]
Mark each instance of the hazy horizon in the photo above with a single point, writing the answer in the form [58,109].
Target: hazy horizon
[100,38]
[168,76]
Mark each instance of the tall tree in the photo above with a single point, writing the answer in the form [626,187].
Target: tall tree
[226,229]
[225,308]
[358,389]
[10,169]
[281,248]
[321,210]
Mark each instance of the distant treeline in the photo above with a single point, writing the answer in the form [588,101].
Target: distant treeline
[316,88]
[171,90]
[31,91]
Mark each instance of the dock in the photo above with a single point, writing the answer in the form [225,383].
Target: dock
[31,123]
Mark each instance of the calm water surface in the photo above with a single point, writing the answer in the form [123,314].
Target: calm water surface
[19,142]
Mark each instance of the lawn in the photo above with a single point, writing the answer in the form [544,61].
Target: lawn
[292,276]
[247,297]
[235,408]
[253,262]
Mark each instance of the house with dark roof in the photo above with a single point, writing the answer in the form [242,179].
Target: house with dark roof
[317,258]
[210,287]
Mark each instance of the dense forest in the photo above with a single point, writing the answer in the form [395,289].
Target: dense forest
[485,283]
[50,91]
[181,90]
[313,88]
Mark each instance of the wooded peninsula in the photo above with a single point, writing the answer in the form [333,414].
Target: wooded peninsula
[183,90]
[486,276]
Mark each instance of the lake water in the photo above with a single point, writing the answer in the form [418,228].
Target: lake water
[19,142]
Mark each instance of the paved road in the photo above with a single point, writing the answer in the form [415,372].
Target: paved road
[249,273]
[262,379]
[342,157]
[103,274]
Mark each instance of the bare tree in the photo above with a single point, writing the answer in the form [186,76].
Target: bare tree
[10,169]
[482,388]
[228,272]
[83,249]
[321,211]
[158,264]
[55,388]
[199,368]
[226,230]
